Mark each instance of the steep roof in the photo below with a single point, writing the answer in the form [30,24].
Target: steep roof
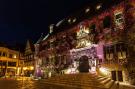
[29,47]
[40,39]
[46,36]
[83,13]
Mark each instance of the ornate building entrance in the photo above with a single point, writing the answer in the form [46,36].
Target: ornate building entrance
[84,59]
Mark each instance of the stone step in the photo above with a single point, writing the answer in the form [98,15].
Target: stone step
[102,79]
[99,77]
[81,86]
[109,84]
[75,82]
[105,81]
[114,86]
[85,83]
[80,80]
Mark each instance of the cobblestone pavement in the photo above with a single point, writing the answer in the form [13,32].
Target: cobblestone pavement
[29,84]
[38,84]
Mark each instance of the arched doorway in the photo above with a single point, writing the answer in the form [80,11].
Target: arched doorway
[83,64]
[84,59]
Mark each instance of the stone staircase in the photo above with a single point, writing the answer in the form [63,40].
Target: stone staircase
[107,82]
[83,81]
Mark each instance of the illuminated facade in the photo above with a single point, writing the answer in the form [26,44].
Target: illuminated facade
[29,61]
[103,31]
[10,62]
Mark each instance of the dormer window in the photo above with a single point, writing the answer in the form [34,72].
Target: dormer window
[74,20]
[107,22]
[98,6]
[69,20]
[119,20]
[92,28]
[87,10]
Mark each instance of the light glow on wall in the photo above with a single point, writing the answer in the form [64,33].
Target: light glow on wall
[25,68]
[82,31]
[99,49]
[104,71]
[14,56]
[31,68]
[71,71]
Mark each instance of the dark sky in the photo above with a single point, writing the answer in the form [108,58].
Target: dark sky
[27,19]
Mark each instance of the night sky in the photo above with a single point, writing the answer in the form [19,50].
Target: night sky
[27,19]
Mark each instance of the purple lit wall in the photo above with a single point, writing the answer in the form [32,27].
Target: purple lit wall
[100,52]
[90,52]
[38,72]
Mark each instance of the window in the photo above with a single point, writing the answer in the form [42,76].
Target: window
[10,56]
[109,52]
[4,63]
[92,28]
[0,53]
[113,73]
[57,42]
[119,18]
[65,59]
[47,60]
[120,76]
[32,56]
[27,58]
[56,60]
[4,54]
[51,45]
[48,45]
[74,35]
[107,22]
[13,64]
[117,76]
[21,62]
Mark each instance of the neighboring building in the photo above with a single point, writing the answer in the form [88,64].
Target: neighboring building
[29,61]
[38,64]
[102,31]
[10,61]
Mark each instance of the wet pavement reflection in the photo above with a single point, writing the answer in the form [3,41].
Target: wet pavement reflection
[29,84]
